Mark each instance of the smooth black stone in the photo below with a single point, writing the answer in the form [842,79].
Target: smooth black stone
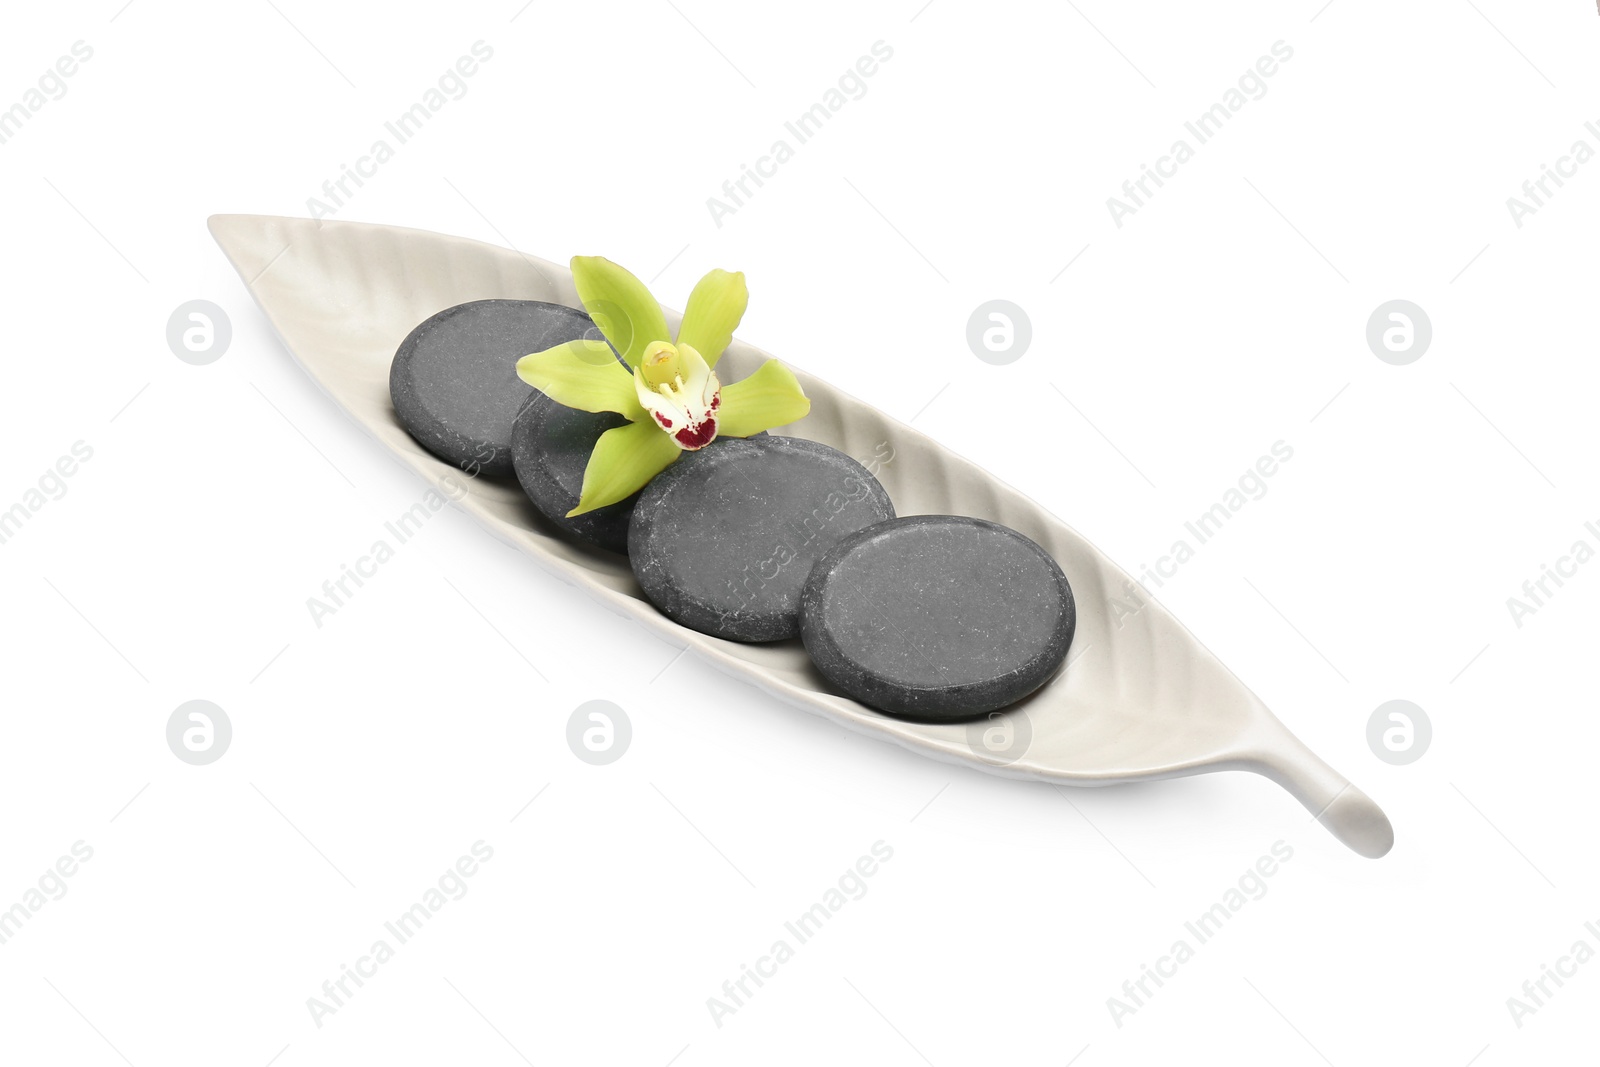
[937,617]
[722,540]
[454,378]
[550,446]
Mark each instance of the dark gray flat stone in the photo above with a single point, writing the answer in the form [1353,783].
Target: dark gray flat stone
[722,540]
[550,446]
[454,378]
[937,617]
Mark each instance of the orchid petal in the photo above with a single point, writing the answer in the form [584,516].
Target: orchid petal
[770,397]
[715,308]
[620,305]
[584,375]
[622,463]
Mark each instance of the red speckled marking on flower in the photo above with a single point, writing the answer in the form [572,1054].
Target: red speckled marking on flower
[691,438]
[716,400]
[666,423]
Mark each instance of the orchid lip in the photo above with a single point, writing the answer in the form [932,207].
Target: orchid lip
[694,438]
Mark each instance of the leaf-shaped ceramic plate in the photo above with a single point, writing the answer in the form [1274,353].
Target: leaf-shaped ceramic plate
[1137,701]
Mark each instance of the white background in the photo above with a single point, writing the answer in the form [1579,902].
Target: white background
[1226,315]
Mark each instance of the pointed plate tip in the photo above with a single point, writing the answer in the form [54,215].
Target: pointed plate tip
[226,226]
[244,239]
[1357,821]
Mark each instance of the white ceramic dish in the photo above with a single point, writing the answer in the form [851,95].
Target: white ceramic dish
[1140,701]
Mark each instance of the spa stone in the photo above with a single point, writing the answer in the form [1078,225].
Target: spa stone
[550,447]
[937,617]
[454,379]
[722,540]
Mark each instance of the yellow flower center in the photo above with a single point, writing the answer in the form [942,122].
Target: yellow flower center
[661,365]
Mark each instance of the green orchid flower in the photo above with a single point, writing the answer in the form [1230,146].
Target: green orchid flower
[666,388]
